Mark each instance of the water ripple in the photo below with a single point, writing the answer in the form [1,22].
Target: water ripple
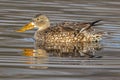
[15,65]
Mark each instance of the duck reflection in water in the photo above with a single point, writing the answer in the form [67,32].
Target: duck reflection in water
[38,56]
[41,54]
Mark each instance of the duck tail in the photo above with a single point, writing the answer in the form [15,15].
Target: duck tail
[94,23]
[90,25]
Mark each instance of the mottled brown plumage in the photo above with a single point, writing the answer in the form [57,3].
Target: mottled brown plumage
[63,32]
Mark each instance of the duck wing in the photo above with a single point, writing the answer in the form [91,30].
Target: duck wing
[73,26]
[79,26]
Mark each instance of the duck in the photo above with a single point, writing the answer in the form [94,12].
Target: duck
[63,32]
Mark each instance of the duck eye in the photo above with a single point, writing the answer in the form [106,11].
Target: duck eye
[97,36]
[38,19]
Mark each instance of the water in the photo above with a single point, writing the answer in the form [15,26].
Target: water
[16,49]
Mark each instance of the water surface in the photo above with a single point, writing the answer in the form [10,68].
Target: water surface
[16,65]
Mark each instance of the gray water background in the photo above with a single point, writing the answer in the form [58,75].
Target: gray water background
[16,13]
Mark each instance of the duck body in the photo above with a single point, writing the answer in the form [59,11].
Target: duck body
[56,35]
[67,32]
[63,32]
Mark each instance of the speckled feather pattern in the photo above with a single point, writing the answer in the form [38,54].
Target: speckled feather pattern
[65,32]
[62,32]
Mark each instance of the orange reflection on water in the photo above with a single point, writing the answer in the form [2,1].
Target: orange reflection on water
[38,56]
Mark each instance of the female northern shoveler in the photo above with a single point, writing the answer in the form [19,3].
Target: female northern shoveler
[62,32]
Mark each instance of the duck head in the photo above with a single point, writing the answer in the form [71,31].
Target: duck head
[40,21]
